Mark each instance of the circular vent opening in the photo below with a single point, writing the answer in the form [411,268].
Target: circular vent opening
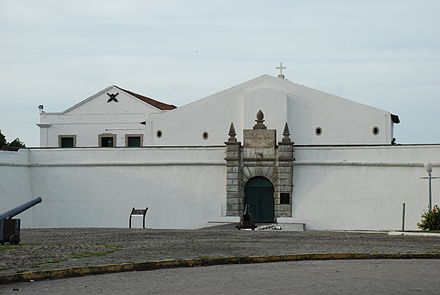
[375,130]
[318,131]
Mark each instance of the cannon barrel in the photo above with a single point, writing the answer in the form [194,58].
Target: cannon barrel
[17,210]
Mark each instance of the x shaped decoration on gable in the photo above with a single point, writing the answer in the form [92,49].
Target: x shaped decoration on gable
[112,97]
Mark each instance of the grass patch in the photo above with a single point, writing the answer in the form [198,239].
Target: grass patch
[43,262]
[113,248]
[5,247]
[55,260]
[116,246]
[88,254]
[9,247]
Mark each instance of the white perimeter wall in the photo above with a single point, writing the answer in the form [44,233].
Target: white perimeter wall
[339,188]
[363,188]
[15,184]
[99,187]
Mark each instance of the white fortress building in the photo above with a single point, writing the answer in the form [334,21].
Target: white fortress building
[110,118]
[297,156]
[115,117]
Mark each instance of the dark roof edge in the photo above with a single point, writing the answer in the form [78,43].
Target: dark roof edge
[155,103]
[124,147]
[366,145]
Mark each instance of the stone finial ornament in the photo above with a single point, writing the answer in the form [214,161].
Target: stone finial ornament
[286,134]
[260,120]
[232,133]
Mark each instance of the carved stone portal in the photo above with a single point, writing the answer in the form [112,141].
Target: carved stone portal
[259,156]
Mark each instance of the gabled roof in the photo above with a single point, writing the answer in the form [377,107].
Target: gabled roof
[267,81]
[153,102]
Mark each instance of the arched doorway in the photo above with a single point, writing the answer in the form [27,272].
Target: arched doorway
[259,195]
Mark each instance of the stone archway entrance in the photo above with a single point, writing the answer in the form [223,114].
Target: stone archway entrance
[259,156]
[259,195]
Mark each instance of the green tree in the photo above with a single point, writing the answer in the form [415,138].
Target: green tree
[2,140]
[16,143]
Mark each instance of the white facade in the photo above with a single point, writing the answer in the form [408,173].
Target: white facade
[342,188]
[314,117]
[99,116]
[305,109]
[346,177]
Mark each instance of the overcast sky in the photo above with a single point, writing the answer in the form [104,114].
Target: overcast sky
[381,53]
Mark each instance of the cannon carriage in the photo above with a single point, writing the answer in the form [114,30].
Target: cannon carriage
[9,226]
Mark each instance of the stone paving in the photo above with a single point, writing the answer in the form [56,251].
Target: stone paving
[42,249]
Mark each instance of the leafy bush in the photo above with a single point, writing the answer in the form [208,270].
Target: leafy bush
[430,219]
[13,145]
[17,143]
[3,141]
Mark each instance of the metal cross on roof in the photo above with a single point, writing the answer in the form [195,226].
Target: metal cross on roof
[281,68]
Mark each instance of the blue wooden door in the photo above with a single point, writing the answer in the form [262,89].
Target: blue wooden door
[259,196]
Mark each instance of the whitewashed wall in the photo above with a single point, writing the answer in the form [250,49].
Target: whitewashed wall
[281,101]
[362,187]
[98,187]
[15,184]
[338,188]
[95,116]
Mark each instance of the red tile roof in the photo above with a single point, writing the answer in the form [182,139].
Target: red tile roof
[153,102]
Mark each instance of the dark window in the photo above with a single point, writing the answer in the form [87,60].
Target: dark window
[159,133]
[284,198]
[375,130]
[107,141]
[134,141]
[67,142]
[318,131]
[205,135]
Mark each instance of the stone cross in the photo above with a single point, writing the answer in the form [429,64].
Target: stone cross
[281,68]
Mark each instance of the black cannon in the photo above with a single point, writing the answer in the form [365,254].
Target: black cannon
[246,220]
[10,228]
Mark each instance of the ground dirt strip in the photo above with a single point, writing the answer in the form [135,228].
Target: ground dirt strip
[53,253]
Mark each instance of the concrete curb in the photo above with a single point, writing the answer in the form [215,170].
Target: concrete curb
[413,234]
[192,262]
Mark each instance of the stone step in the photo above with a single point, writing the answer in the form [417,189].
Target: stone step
[285,224]
[282,226]
[292,226]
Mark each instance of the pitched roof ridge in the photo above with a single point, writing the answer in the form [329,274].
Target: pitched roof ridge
[290,83]
[158,104]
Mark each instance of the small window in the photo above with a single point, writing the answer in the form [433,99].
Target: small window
[67,141]
[133,140]
[318,131]
[107,140]
[284,198]
[375,130]
[205,135]
[159,133]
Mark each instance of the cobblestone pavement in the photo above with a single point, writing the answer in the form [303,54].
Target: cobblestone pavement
[57,248]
